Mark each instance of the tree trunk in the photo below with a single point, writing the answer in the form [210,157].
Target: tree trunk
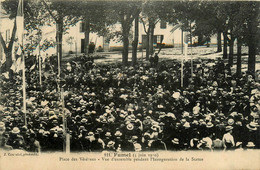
[231,51]
[135,42]
[200,39]
[59,34]
[125,50]
[225,45]
[151,39]
[125,30]
[251,57]
[253,40]
[219,42]
[239,56]
[147,44]
[86,32]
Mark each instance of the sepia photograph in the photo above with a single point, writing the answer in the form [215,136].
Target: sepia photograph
[114,84]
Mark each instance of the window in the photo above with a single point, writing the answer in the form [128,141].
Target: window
[159,38]
[163,24]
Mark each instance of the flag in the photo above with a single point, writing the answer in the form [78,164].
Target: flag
[37,50]
[6,75]
[33,66]
[17,65]
[20,22]
[19,51]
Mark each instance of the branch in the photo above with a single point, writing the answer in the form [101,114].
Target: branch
[145,30]
[156,21]
[48,9]
[135,14]
[3,42]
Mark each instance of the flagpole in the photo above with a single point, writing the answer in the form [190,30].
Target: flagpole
[182,58]
[191,51]
[24,90]
[66,136]
[40,66]
[20,30]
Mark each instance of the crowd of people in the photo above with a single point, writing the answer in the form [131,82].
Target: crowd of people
[143,108]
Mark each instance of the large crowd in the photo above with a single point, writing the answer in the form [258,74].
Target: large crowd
[143,108]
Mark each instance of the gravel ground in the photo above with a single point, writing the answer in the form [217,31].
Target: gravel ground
[175,53]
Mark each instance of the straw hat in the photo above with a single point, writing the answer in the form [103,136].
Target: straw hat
[176,95]
[186,125]
[130,126]
[228,128]
[16,130]
[251,126]
[108,134]
[250,145]
[238,144]
[175,141]
[230,122]
[118,133]
[209,125]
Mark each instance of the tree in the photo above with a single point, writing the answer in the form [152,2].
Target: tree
[94,19]
[8,49]
[124,12]
[135,42]
[63,15]
[251,31]
[243,24]
[33,18]
[152,13]
[149,19]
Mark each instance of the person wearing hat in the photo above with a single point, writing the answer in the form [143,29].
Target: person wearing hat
[250,146]
[194,143]
[118,139]
[33,145]
[239,146]
[107,138]
[82,138]
[137,145]
[97,145]
[217,143]
[173,145]
[158,144]
[3,145]
[252,133]
[228,139]
[202,144]
[110,146]
[16,140]
[127,144]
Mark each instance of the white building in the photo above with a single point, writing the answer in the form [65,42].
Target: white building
[73,40]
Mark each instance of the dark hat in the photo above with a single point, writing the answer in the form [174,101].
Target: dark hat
[146,122]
